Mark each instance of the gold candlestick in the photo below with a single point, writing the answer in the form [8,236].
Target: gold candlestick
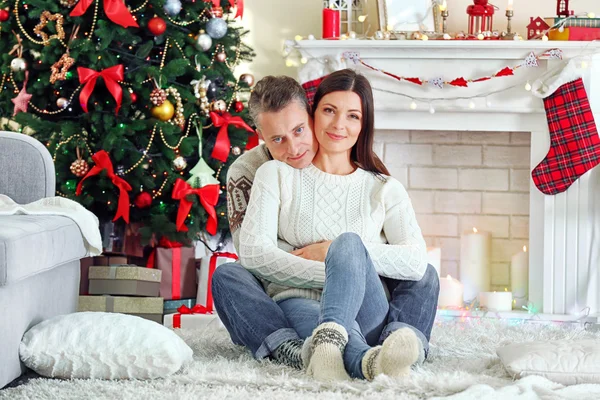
[445,21]
[509,15]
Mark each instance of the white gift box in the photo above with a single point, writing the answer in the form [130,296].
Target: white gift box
[203,276]
[193,321]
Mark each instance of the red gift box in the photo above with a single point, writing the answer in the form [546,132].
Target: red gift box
[178,267]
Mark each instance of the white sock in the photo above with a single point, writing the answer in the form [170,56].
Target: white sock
[395,357]
[326,362]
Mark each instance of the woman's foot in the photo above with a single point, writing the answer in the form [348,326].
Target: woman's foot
[395,357]
[324,355]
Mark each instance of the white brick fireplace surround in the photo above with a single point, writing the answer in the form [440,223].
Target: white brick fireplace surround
[468,167]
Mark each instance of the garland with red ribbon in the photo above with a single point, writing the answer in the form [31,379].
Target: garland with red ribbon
[111,76]
[209,197]
[222,144]
[115,10]
[531,61]
[102,161]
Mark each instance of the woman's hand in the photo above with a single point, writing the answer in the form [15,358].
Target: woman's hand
[315,252]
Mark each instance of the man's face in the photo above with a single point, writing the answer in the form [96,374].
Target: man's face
[288,135]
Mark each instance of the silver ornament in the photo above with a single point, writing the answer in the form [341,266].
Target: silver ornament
[248,78]
[203,42]
[179,163]
[18,64]
[61,102]
[236,151]
[172,7]
[379,35]
[216,28]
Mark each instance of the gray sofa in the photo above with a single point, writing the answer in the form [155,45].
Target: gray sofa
[39,255]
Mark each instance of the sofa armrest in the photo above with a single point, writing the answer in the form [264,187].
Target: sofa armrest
[26,168]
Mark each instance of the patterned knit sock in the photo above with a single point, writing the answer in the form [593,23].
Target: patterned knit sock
[394,358]
[289,353]
[328,343]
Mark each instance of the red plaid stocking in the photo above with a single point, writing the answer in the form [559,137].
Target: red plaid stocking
[574,140]
[310,88]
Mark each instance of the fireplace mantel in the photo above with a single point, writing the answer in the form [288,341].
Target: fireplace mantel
[564,235]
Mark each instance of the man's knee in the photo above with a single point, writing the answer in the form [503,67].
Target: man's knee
[430,279]
[346,242]
[227,273]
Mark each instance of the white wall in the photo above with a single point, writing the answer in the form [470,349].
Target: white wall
[271,22]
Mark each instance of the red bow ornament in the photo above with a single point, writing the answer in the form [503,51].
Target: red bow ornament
[232,3]
[102,161]
[111,77]
[209,196]
[115,10]
[222,144]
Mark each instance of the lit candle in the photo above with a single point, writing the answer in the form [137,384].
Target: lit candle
[451,293]
[475,257]
[496,301]
[509,7]
[519,277]
[331,23]
[444,6]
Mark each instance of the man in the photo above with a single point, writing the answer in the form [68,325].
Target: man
[281,113]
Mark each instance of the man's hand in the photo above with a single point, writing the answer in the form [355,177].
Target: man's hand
[315,252]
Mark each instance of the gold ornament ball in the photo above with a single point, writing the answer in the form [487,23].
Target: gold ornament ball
[179,163]
[218,106]
[236,151]
[79,168]
[164,112]
[248,78]
[221,57]
[61,102]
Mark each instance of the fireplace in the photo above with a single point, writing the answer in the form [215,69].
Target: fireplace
[439,148]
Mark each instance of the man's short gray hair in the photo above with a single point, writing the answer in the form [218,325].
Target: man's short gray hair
[274,93]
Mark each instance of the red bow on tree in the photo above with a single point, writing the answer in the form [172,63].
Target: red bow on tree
[209,196]
[222,144]
[115,10]
[102,161]
[240,6]
[111,77]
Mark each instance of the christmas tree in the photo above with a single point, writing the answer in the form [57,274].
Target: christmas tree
[138,103]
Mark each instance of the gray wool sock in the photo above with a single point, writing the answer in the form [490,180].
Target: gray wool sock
[290,353]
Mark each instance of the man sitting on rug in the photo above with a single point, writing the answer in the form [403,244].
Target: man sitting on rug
[281,112]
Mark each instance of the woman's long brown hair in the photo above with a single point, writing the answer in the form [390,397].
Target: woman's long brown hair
[362,152]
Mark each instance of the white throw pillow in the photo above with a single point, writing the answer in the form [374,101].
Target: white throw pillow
[561,361]
[103,346]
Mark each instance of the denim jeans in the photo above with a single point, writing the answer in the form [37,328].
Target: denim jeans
[254,320]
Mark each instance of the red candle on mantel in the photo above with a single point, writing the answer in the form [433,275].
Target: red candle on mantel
[331,23]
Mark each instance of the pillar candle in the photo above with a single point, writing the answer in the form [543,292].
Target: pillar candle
[519,277]
[451,293]
[331,23]
[434,258]
[496,301]
[475,257]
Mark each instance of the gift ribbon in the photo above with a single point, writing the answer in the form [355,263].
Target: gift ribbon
[115,10]
[209,196]
[212,266]
[111,76]
[102,162]
[197,309]
[240,6]
[175,264]
[222,144]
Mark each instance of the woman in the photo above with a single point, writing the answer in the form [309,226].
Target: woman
[351,223]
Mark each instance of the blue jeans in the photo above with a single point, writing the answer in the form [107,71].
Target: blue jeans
[254,320]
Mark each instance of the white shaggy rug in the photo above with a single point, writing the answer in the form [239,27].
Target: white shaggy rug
[462,365]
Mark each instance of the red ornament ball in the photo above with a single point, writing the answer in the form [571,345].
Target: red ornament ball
[239,106]
[157,26]
[133,97]
[4,15]
[143,200]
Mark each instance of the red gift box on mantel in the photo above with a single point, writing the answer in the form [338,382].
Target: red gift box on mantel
[178,267]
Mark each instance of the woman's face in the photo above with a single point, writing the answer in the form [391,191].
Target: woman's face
[338,121]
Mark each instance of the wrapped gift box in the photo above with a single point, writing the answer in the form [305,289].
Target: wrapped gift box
[133,241]
[208,265]
[171,306]
[178,271]
[84,267]
[192,321]
[128,280]
[145,307]
[110,259]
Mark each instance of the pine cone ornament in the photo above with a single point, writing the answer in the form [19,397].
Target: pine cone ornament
[79,168]
[158,96]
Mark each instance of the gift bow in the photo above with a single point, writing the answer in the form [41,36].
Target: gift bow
[102,162]
[222,144]
[111,77]
[240,6]
[209,196]
[197,309]
[115,10]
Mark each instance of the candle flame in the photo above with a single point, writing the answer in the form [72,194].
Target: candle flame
[505,289]
[474,230]
[443,6]
[525,249]
[449,277]
[510,5]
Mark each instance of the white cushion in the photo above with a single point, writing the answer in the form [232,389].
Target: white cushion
[561,361]
[103,346]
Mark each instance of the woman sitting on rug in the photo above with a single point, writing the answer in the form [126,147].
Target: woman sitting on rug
[351,224]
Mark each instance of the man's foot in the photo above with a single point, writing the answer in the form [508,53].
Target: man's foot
[326,362]
[290,353]
[395,357]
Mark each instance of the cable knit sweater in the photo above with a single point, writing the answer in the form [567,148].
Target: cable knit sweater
[306,206]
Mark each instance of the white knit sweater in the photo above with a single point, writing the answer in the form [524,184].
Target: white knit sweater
[306,206]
